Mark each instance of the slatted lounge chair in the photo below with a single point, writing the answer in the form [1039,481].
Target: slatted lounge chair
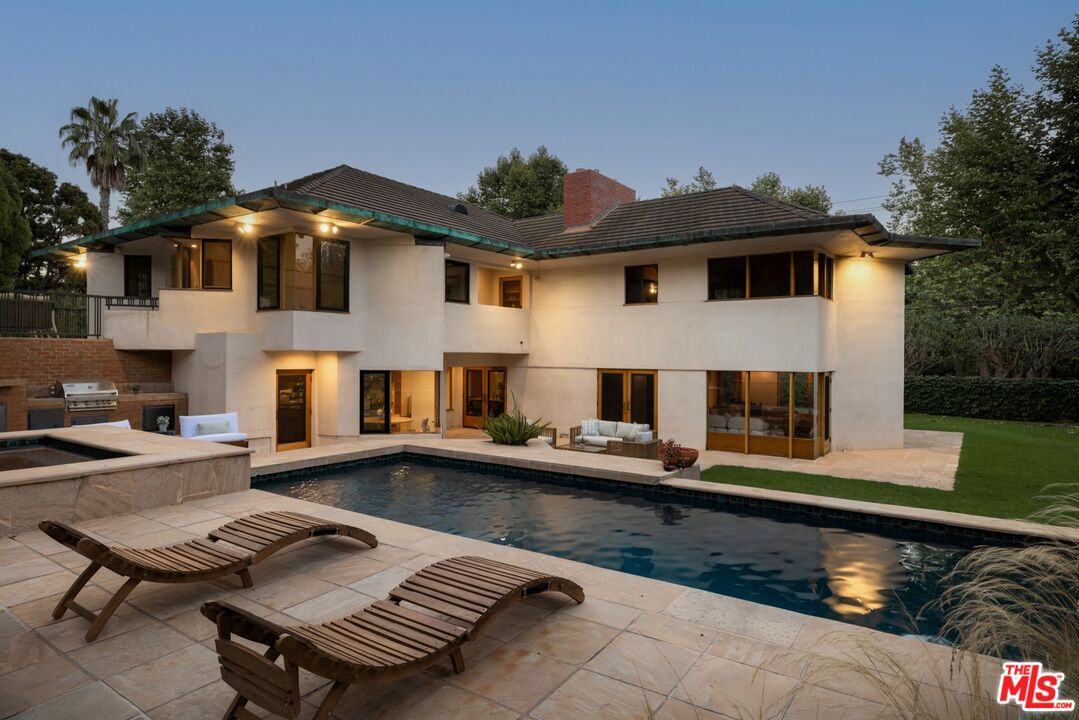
[426,618]
[253,539]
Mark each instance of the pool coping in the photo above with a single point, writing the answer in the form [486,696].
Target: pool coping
[941,522]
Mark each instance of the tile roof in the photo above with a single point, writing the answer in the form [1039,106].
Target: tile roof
[358,188]
[347,192]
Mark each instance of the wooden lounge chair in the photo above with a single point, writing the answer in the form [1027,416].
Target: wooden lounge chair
[448,603]
[253,539]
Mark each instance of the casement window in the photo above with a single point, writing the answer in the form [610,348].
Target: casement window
[303,272]
[770,275]
[457,283]
[201,264]
[642,284]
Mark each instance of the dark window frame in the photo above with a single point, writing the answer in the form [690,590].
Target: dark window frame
[319,242]
[745,265]
[648,298]
[823,276]
[468,282]
[202,262]
[261,278]
[147,263]
[317,259]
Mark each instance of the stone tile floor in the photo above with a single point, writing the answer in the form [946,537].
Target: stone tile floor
[928,458]
[637,648]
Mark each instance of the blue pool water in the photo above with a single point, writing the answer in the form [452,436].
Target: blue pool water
[867,577]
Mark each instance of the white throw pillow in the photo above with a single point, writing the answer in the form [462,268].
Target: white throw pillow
[590,427]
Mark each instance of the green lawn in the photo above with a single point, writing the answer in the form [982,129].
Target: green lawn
[1002,467]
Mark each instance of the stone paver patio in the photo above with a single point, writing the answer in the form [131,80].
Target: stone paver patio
[635,646]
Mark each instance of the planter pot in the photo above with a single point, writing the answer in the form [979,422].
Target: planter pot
[680,459]
[163,427]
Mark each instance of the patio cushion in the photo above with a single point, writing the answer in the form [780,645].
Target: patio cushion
[625,430]
[608,428]
[644,436]
[212,428]
[600,440]
[221,437]
[590,427]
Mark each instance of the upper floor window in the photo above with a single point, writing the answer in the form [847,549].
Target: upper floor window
[302,272]
[642,284]
[786,274]
[457,285]
[205,264]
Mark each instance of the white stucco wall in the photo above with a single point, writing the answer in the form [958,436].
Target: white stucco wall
[867,386]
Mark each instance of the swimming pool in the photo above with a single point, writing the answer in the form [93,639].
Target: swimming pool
[869,576]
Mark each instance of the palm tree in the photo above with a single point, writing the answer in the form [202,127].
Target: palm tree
[107,144]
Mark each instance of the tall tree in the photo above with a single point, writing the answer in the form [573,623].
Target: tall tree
[519,188]
[186,162]
[703,180]
[55,212]
[814,197]
[1006,171]
[105,143]
[14,230]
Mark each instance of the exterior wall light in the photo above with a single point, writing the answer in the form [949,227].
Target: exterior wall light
[80,262]
[246,227]
[516,265]
[867,253]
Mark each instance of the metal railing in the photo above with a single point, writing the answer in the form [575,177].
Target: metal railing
[58,314]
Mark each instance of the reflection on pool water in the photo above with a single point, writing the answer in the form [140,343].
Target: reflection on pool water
[870,578]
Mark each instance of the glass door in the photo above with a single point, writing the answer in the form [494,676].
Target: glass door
[612,401]
[374,401]
[496,392]
[293,409]
[474,396]
[628,396]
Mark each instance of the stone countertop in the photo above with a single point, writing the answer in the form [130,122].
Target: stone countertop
[140,450]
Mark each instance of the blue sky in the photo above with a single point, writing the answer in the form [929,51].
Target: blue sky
[428,93]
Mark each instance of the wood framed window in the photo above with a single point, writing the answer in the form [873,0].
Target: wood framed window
[510,291]
[216,264]
[770,275]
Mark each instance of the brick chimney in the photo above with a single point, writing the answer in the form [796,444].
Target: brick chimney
[587,196]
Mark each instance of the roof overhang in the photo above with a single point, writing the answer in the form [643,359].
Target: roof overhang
[866,227]
[179,224]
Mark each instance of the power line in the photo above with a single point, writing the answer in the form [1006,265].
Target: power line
[869,197]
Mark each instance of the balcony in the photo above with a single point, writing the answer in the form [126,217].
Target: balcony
[486,329]
[63,315]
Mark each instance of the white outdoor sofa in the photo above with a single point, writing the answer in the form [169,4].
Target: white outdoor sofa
[607,430]
[220,428]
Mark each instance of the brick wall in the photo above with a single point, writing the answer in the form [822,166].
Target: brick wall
[588,195]
[45,360]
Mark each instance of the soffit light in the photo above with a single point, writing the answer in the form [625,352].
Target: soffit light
[867,253]
[516,264]
[247,227]
[327,228]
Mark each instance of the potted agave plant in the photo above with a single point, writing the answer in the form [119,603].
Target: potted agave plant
[674,456]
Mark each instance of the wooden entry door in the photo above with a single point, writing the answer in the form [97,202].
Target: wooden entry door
[485,394]
[293,409]
[627,396]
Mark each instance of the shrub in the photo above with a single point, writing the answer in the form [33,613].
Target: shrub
[1037,400]
[513,428]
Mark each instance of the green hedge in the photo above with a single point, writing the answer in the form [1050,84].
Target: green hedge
[1038,400]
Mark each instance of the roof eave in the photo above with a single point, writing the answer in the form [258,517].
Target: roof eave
[182,220]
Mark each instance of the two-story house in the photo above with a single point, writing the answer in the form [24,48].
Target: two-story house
[344,304]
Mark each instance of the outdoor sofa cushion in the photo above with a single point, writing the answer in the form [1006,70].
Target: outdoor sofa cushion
[212,428]
[189,427]
[600,440]
[608,428]
[115,423]
[590,427]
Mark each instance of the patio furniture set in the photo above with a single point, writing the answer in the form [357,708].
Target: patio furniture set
[613,438]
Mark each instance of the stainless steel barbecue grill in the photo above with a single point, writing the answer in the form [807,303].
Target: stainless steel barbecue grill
[94,395]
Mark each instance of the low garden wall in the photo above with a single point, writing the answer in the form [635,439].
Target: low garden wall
[1036,399]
